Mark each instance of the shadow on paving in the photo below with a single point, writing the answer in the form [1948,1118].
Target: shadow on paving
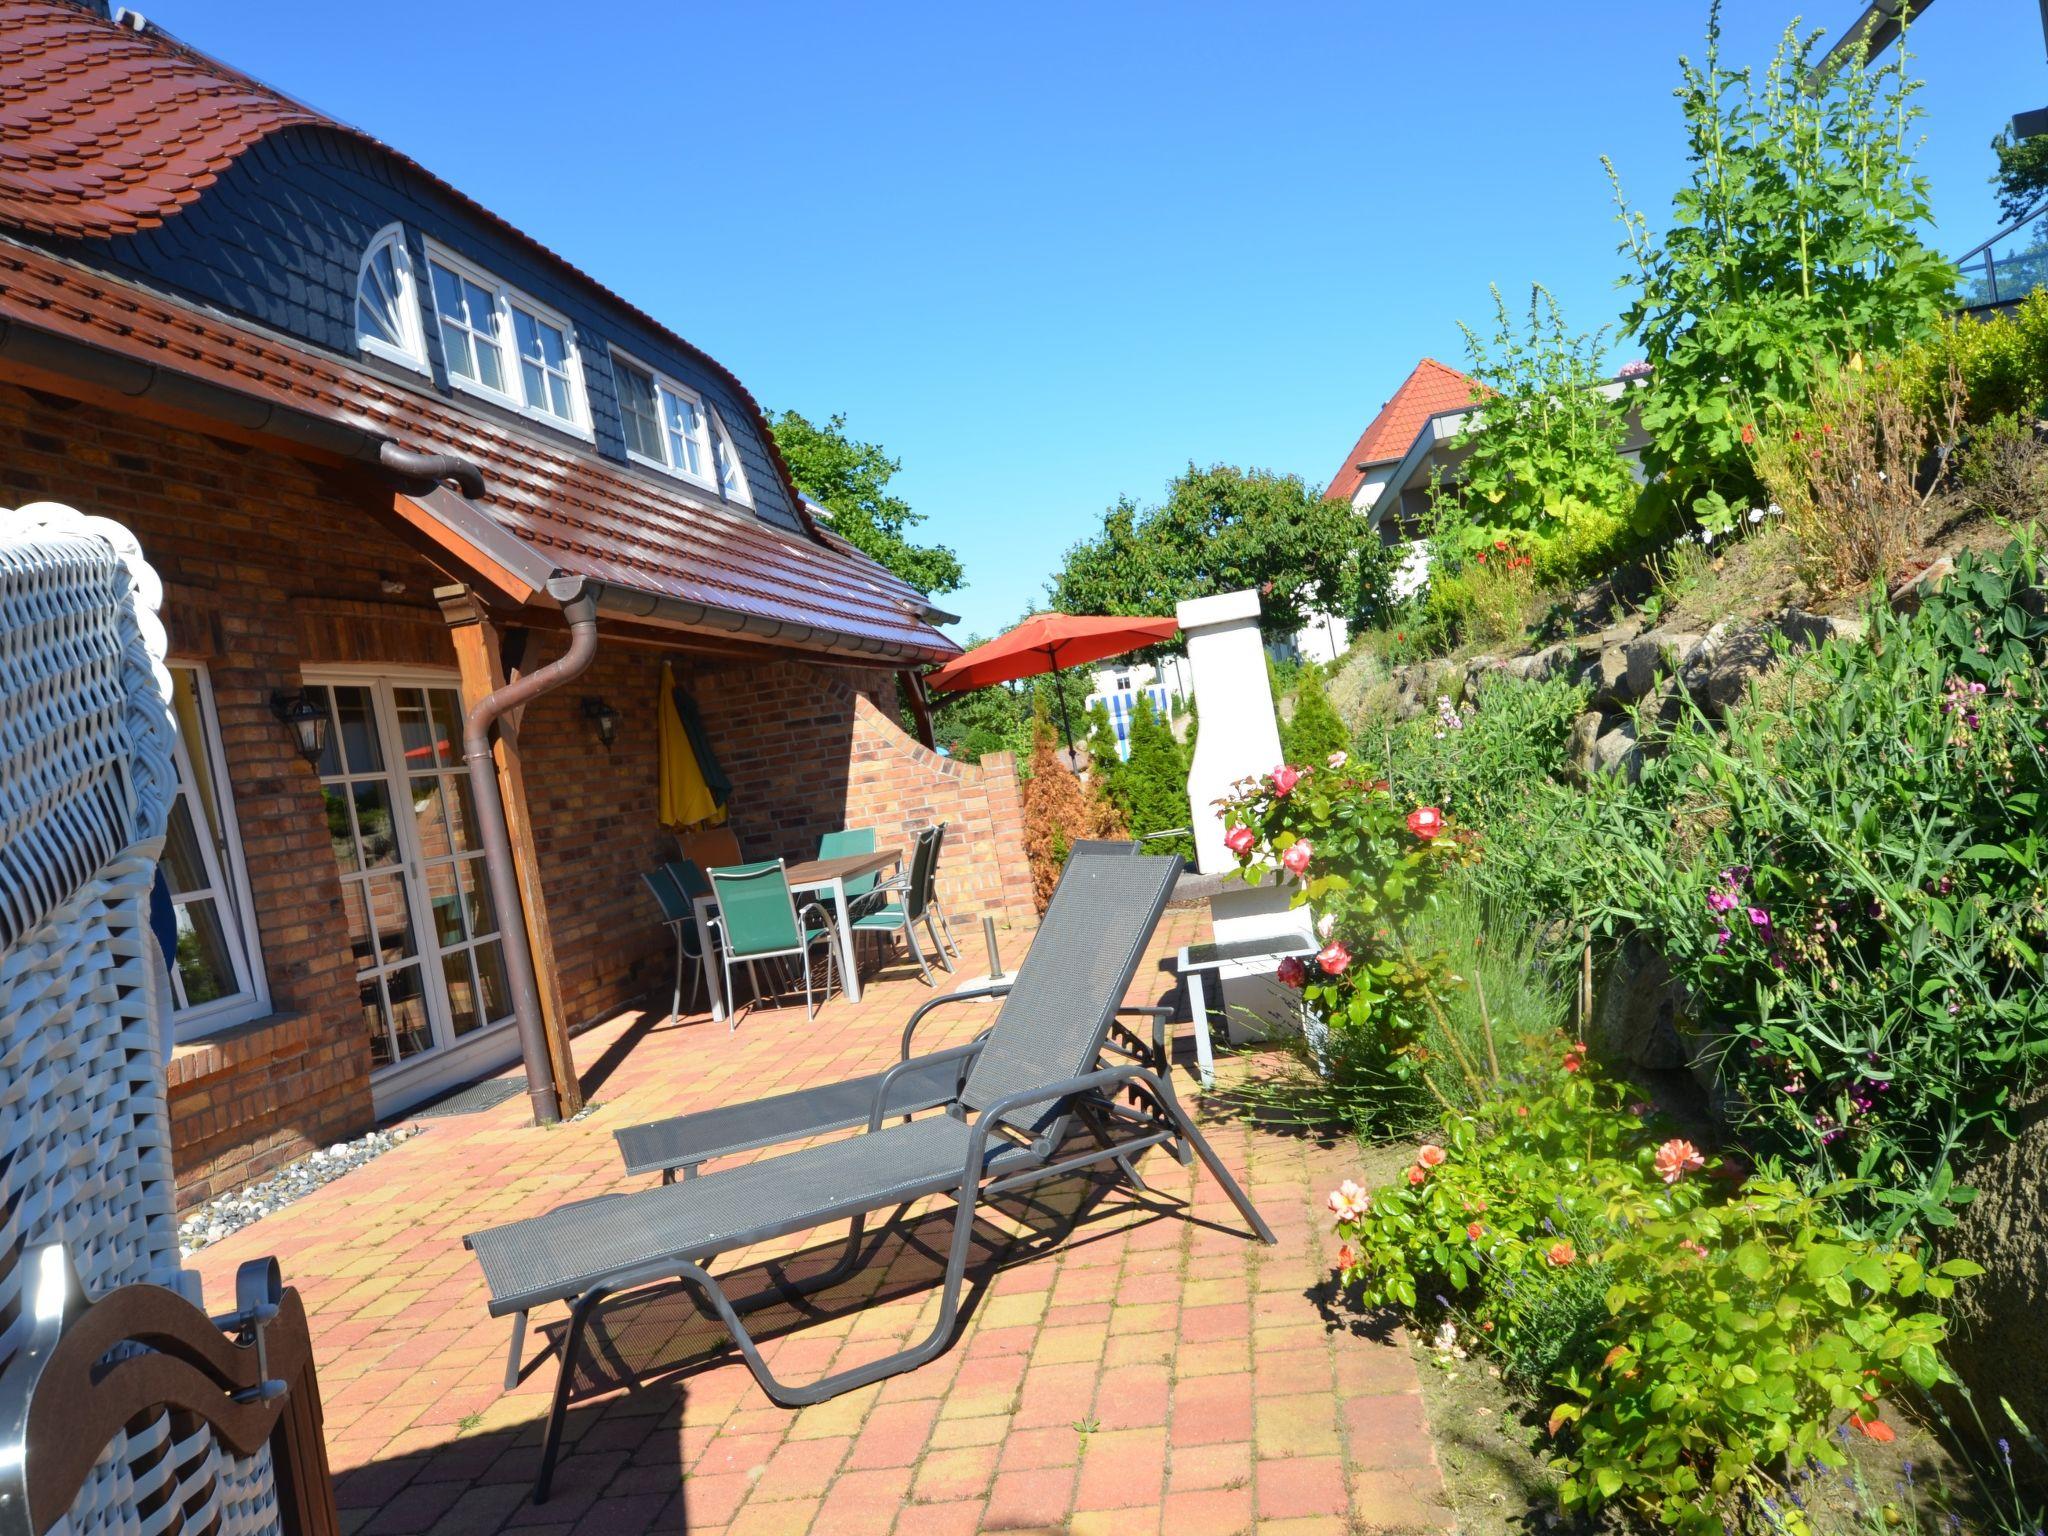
[630,1394]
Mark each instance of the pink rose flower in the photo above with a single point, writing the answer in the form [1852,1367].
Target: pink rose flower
[1430,1155]
[1349,1201]
[1284,779]
[1295,859]
[1336,760]
[1676,1158]
[1345,1257]
[1426,822]
[1334,958]
[1239,841]
[1475,1231]
[1560,1254]
[1292,972]
[1417,1175]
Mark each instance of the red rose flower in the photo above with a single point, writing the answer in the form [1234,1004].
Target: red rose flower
[1426,822]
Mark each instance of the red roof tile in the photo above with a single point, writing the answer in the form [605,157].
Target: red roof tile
[1430,389]
[577,512]
[105,131]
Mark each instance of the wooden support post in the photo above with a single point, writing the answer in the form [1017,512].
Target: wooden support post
[480,659]
[920,708]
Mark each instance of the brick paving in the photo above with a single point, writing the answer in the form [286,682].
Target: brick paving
[1131,1363]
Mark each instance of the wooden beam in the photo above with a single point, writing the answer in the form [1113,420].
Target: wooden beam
[479,653]
[920,707]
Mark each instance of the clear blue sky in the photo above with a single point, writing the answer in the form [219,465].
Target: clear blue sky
[1049,253]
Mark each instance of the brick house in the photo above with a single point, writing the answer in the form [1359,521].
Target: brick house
[386,452]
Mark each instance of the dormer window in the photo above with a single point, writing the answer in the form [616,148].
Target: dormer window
[732,478]
[506,347]
[665,423]
[388,304]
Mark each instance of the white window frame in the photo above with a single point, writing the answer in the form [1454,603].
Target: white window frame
[705,478]
[229,870]
[412,351]
[724,449]
[505,299]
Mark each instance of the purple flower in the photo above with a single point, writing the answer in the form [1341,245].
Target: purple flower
[1721,939]
[1721,901]
[1759,918]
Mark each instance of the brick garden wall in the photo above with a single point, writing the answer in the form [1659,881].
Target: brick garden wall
[273,565]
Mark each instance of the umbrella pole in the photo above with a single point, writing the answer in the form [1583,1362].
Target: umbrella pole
[1061,699]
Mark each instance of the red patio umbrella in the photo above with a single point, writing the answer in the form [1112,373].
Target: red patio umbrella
[1048,642]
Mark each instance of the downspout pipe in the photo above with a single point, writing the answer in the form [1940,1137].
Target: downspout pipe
[579,607]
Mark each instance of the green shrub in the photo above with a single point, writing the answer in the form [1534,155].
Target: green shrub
[2002,362]
[1477,604]
[1151,788]
[1315,731]
[1852,885]
[1694,1339]
[1483,762]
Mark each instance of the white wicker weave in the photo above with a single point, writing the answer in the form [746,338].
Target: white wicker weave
[86,782]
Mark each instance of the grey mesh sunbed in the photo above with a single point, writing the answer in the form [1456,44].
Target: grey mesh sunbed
[1017,1095]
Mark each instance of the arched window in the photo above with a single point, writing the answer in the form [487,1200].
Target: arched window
[387,303]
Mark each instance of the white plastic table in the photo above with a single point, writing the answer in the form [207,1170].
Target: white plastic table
[811,876]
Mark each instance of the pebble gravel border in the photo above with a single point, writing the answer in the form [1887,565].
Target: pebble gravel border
[209,1223]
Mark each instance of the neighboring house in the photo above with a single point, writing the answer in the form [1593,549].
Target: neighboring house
[1118,689]
[384,448]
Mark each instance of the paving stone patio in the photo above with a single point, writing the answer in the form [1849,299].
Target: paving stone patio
[1131,1363]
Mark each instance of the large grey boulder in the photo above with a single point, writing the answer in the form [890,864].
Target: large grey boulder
[1637,1014]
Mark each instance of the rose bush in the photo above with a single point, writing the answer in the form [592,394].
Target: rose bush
[1366,867]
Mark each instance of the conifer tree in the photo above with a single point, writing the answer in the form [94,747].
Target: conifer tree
[1316,729]
[1153,788]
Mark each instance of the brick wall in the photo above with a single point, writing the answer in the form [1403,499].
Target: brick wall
[809,751]
[271,566]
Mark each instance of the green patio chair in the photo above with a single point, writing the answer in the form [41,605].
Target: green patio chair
[912,905]
[861,894]
[673,899]
[758,919]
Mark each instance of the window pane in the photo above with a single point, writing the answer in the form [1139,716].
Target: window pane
[461,814]
[637,412]
[409,1012]
[490,971]
[361,942]
[461,359]
[447,708]
[462,1014]
[184,863]
[392,914]
[378,835]
[426,815]
[536,385]
[370,323]
[477,910]
[205,967]
[340,835]
[684,428]
[373,1024]
[488,373]
[357,728]
[415,729]
[446,902]
[558,396]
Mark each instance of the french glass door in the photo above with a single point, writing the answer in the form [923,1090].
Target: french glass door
[430,970]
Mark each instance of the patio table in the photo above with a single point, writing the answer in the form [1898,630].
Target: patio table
[813,875]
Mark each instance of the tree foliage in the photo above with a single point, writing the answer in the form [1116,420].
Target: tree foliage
[1793,247]
[2022,174]
[1152,788]
[1220,529]
[1059,810]
[852,479]
[1317,730]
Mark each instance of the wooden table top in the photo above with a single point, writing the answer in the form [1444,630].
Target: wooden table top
[847,866]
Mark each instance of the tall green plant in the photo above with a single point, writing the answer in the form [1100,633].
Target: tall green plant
[1794,245]
[1543,465]
[1152,787]
[1316,731]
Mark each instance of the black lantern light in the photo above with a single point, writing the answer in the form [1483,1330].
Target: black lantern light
[605,718]
[305,715]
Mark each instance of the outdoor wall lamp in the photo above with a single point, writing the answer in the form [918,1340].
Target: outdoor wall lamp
[305,715]
[605,718]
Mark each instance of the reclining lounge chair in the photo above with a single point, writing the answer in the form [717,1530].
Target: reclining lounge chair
[1021,1089]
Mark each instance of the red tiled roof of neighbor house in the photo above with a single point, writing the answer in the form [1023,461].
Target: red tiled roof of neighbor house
[105,131]
[1430,389]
